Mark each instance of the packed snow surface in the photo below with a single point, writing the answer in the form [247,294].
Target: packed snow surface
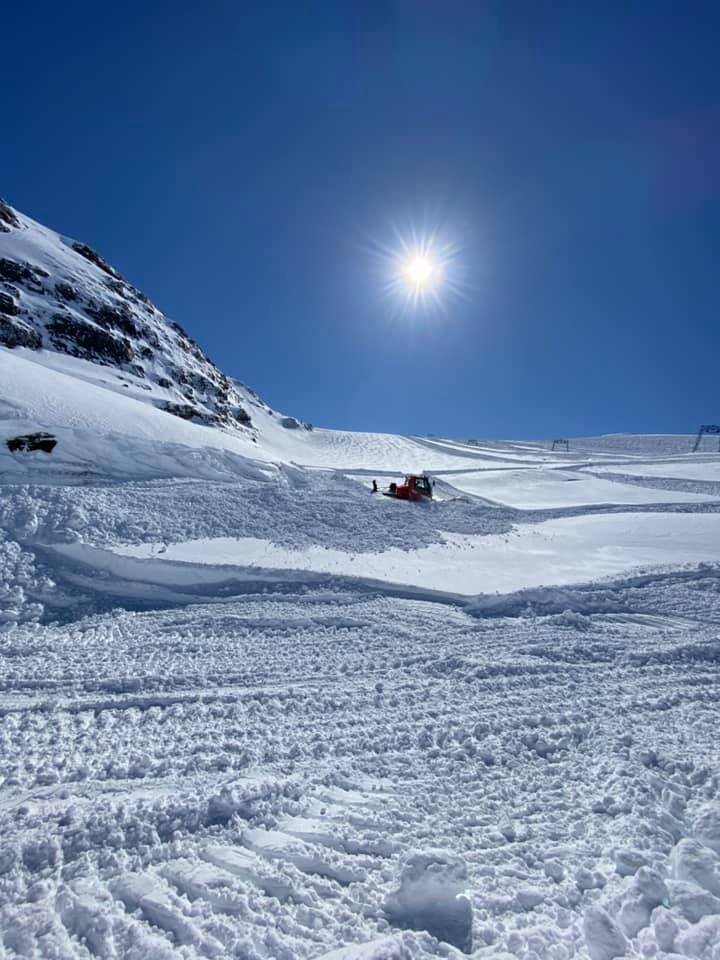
[531,489]
[558,551]
[250,709]
[699,468]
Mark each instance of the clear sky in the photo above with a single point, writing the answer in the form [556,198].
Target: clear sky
[243,163]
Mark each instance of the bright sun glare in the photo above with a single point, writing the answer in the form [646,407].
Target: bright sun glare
[420,271]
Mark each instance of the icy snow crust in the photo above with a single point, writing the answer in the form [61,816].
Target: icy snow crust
[248,709]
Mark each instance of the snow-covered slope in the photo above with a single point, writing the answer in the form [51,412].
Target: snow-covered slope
[250,709]
[59,295]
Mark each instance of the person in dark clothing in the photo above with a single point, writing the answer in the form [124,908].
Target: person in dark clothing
[374,489]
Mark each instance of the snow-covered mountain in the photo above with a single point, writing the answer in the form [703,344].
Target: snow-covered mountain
[59,295]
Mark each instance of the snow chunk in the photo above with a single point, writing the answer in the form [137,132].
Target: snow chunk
[554,870]
[634,915]
[692,902]
[628,862]
[666,929]
[585,880]
[276,845]
[384,948]
[692,862]
[145,893]
[529,898]
[651,886]
[603,937]
[707,826]
[697,939]
[431,897]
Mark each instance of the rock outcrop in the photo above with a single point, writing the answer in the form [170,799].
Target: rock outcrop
[61,295]
[44,442]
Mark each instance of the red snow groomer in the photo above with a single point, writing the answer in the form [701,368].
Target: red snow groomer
[416,487]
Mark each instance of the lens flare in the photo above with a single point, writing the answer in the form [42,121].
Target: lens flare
[420,269]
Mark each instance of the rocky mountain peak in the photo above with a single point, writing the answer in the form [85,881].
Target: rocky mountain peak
[60,295]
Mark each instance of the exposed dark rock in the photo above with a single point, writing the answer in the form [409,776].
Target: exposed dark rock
[45,442]
[180,376]
[132,293]
[85,251]
[290,423]
[174,325]
[7,217]
[24,273]
[15,333]
[103,318]
[66,291]
[117,318]
[14,271]
[182,410]
[231,413]
[117,286]
[80,339]
[8,305]
[221,418]
[201,384]
[187,344]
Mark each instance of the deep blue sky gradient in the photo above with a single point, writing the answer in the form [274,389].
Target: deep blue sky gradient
[237,162]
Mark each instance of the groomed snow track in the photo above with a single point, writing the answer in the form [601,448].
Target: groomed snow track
[247,779]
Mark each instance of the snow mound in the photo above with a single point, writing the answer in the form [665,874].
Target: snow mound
[430,897]
[603,937]
[691,862]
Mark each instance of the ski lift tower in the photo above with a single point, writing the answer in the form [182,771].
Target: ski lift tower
[707,428]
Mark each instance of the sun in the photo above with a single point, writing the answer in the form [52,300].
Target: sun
[420,271]
[419,274]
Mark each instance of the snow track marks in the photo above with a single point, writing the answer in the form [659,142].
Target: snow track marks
[253,777]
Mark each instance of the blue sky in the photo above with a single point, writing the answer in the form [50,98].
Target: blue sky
[243,163]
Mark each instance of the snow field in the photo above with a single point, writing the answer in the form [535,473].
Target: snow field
[705,467]
[249,710]
[285,775]
[568,550]
[538,488]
